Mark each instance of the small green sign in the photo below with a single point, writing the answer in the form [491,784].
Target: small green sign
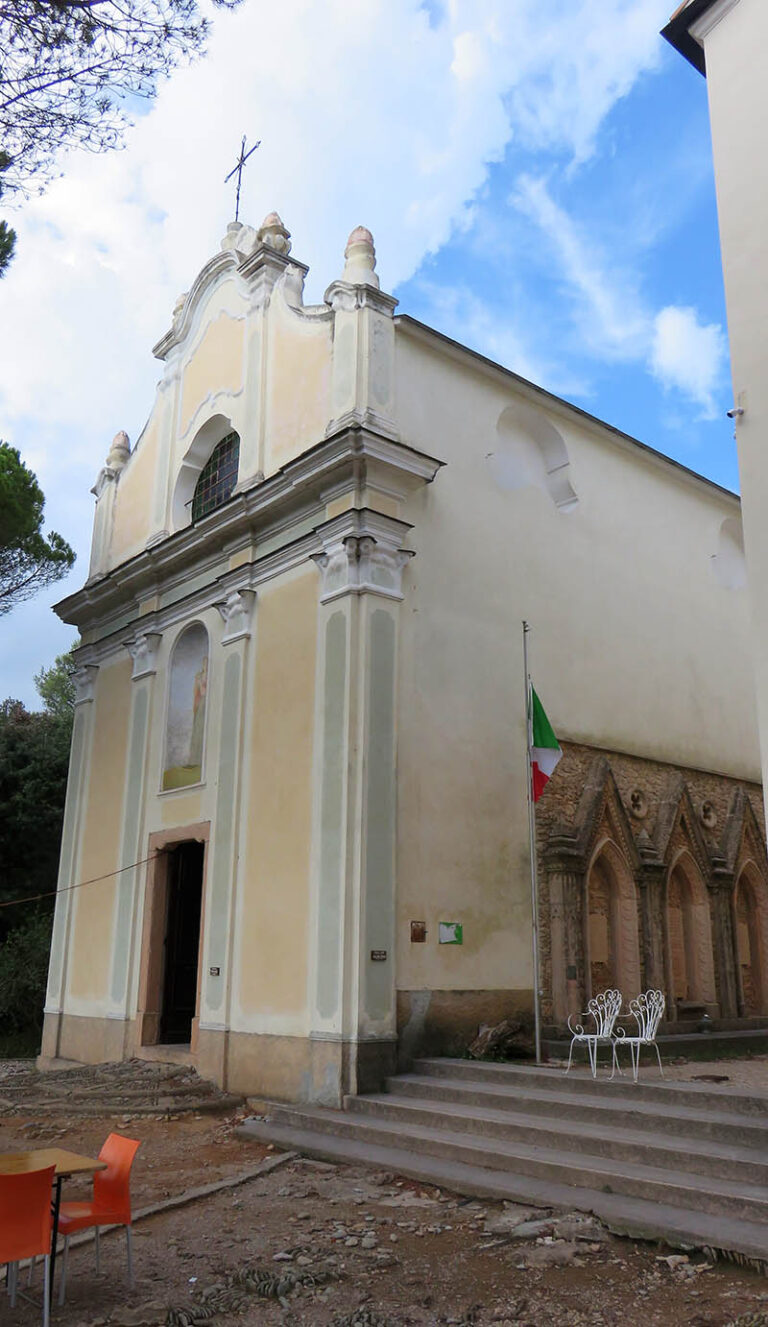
[451,933]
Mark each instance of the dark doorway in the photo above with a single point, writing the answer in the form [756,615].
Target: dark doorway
[182,942]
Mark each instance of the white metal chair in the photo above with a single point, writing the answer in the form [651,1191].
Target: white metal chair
[603,1011]
[647,1010]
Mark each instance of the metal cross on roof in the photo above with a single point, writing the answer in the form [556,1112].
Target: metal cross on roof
[238,170]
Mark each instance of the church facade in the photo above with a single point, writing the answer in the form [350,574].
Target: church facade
[296,821]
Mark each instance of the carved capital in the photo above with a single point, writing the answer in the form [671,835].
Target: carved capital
[143,650]
[359,564]
[235,613]
[84,679]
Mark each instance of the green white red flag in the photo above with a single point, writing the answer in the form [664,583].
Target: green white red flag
[544,747]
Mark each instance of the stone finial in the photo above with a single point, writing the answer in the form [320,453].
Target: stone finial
[360,256]
[119,451]
[273,234]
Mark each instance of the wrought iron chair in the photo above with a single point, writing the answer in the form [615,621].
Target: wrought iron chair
[647,1010]
[603,1010]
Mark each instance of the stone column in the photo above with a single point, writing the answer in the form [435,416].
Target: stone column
[143,649]
[725,942]
[565,869]
[77,781]
[352,960]
[221,869]
[650,881]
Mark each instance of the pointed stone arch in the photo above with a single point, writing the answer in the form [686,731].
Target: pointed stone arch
[599,837]
[745,862]
[691,965]
[750,901]
[613,938]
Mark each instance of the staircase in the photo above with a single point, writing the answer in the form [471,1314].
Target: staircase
[684,1163]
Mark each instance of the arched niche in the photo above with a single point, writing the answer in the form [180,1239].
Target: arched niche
[612,923]
[751,918]
[531,453]
[689,929]
[205,440]
[729,563]
[184,749]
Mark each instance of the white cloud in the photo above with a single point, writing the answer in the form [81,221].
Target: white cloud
[386,113]
[689,355]
[609,309]
[613,317]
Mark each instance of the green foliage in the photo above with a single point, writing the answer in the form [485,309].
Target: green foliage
[7,236]
[34,757]
[56,688]
[29,560]
[69,67]
[23,976]
[7,245]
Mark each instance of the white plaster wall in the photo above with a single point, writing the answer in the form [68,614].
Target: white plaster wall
[636,646]
[738,95]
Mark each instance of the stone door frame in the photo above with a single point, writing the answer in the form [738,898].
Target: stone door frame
[152,968]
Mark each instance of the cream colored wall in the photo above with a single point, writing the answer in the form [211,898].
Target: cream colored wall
[270,984]
[216,365]
[738,98]
[635,646]
[91,936]
[265,374]
[132,525]
[299,376]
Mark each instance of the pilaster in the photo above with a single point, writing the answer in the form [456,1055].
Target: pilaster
[352,961]
[363,368]
[725,940]
[222,867]
[77,782]
[143,648]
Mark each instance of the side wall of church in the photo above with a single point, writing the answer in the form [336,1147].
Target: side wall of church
[636,645]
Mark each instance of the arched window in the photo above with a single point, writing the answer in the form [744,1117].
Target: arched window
[217,477]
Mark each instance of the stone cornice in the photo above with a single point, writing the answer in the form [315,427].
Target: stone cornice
[296,492]
[239,585]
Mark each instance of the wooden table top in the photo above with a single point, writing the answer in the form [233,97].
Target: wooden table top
[66,1163]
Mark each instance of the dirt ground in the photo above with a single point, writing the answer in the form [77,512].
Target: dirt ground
[352,1247]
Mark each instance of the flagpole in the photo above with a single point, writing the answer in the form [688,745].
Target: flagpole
[532,843]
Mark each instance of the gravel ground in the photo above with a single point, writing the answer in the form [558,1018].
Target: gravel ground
[353,1247]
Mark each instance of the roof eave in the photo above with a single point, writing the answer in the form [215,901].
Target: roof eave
[678,33]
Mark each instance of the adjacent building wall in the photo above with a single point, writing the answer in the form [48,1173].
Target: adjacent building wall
[735,39]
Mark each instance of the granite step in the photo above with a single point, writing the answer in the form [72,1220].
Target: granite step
[677,1187]
[627,1110]
[636,1217]
[666,1093]
[715,1157]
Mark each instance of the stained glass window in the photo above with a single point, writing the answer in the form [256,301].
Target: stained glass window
[217,477]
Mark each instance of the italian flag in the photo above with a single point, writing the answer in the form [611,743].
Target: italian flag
[545,748]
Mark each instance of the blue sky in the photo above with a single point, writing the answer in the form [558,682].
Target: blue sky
[537,176]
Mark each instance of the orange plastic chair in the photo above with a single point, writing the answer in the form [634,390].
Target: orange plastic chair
[111,1204]
[26,1223]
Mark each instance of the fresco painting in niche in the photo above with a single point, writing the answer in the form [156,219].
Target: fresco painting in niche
[185,730]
